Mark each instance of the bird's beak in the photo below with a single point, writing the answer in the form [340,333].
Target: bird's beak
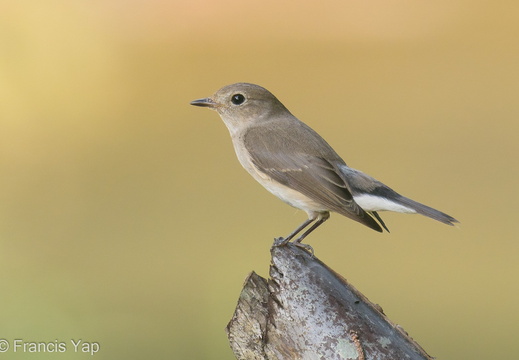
[206,102]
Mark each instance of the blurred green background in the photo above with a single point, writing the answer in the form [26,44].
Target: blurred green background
[125,218]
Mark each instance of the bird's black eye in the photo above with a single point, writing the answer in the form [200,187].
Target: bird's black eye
[237,99]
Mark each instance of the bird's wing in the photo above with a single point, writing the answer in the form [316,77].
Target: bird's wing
[305,168]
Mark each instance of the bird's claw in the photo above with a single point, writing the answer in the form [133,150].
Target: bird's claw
[305,247]
[278,242]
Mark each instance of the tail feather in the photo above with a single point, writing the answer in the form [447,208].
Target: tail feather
[373,196]
[427,211]
[377,216]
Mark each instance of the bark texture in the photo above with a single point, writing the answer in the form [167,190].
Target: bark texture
[307,311]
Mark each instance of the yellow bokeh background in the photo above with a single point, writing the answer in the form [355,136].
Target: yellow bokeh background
[125,218]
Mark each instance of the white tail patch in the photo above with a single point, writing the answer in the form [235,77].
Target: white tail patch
[376,203]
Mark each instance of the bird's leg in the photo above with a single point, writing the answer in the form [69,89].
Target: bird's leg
[321,219]
[283,241]
[307,247]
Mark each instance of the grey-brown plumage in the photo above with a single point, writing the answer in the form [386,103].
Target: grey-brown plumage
[297,157]
[296,164]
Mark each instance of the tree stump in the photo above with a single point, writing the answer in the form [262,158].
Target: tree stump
[307,311]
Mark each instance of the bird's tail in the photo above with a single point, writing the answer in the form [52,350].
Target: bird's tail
[427,211]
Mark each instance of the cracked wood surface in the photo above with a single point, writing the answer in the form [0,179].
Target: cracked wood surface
[307,311]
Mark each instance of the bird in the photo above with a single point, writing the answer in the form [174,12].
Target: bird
[293,162]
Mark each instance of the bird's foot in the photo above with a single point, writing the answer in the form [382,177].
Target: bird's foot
[280,241]
[305,247]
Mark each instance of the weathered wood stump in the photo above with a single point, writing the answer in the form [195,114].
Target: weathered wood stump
[307,311]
